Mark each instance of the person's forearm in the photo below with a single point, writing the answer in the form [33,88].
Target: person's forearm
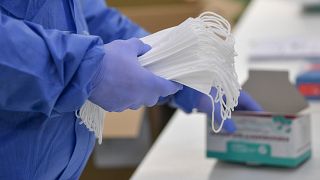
[109,23]
[44,70]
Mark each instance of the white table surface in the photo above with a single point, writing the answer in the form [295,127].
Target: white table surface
[179,152]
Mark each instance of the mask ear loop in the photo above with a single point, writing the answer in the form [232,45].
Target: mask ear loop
[222,28]
[213,17]
[213,119]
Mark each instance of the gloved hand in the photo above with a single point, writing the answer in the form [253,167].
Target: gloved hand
[189,99]
[122,83]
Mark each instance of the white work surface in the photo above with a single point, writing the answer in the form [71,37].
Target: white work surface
[179,152]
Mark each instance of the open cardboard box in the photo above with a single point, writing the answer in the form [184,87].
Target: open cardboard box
[280,136]
[125,143]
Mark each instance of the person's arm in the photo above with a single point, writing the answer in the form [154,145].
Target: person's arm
[43,70]
[109,23]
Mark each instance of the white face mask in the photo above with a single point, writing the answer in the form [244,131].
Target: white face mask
[198,53]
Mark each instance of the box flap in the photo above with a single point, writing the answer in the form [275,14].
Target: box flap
[126,124]
[274,92]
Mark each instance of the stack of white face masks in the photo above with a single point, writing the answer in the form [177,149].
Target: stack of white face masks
[198,53]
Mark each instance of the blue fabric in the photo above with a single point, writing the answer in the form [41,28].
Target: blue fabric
[47,61]
[109,25]
[312,76]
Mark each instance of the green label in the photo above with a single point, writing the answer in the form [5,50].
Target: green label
[252,153]
[248,150]
[282,124]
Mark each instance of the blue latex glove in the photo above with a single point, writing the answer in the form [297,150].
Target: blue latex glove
[189,99]
[122,83]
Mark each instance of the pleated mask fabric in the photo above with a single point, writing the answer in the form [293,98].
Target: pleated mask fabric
[198,53]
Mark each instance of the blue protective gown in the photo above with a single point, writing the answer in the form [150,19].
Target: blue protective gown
[47,60]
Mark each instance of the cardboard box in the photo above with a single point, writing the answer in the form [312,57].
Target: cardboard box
[155,17]
[125,124]
[126,3]
[120,152]
[278,137]
[127,139]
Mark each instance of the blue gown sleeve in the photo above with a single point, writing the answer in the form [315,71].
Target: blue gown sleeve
[46,71]
[109,23]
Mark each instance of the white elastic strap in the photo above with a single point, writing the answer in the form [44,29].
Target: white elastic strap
[93,117]
[213,119]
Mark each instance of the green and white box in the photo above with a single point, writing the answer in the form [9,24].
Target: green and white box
[278,137]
